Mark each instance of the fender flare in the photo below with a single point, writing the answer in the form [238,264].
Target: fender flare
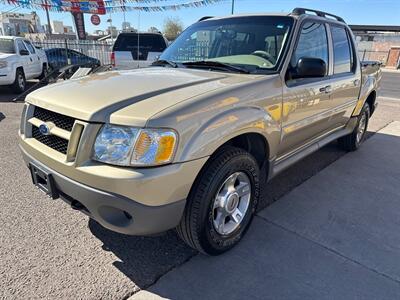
[223,127]
[368,87]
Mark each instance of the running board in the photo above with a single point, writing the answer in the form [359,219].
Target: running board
[285,163]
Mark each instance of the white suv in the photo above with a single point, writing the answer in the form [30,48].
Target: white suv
[20,61]
[133,50]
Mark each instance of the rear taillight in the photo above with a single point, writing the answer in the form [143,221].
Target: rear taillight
[112,59]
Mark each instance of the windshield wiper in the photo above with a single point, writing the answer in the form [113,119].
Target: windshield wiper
[164,62]
[216,65]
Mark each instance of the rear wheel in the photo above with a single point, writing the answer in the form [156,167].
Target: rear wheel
[222,202]
[353,141]
[44,74]
[19,84]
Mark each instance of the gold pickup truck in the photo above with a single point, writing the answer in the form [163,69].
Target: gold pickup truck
[182,144]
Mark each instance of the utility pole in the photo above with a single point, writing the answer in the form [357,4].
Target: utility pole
[111,28]
[48,18]
[233,6]
[123,29]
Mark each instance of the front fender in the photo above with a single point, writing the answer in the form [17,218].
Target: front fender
[12,67]
[227,125]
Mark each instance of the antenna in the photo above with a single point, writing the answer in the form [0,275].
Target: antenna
[138,40]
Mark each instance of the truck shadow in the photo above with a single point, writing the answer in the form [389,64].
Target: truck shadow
[143,259]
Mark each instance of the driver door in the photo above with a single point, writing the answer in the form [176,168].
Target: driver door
[306,106]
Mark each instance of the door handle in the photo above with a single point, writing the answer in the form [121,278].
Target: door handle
[356,82]
[326,89]
[31,58]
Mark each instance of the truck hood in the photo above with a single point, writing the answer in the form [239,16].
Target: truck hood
[129,97]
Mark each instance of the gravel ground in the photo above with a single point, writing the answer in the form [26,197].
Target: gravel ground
[50,251]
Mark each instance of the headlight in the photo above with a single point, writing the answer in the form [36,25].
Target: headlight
[128,146]
[3,64]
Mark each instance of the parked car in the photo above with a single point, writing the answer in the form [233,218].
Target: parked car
[133,50]
[187,143]
[20,61]
[60,57]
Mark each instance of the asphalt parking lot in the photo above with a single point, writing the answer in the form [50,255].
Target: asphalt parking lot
[50,251]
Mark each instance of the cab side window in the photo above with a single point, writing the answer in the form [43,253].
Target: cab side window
[21,45]
[313,43]
[342,56]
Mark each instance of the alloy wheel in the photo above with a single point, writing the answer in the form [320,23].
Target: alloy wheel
[362,126]
[231,203]
[21,82]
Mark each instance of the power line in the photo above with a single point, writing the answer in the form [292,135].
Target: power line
[13,9]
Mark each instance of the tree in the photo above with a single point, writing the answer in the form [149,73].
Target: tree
[153,29]
[172,28]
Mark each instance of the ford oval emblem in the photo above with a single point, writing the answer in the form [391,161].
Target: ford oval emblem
[44,129]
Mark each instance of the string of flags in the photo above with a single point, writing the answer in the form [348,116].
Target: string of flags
[106,6]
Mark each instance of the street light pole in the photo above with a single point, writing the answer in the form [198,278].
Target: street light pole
[111,29]
[48,19]
[233,6]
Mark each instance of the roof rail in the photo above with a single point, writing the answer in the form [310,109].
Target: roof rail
[303,11]
[205,18]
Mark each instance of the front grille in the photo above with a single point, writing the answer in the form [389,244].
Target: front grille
[61,121]
[52,141]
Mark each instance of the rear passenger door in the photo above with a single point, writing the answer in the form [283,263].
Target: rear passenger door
[35,59]
[346,77]
[306,106]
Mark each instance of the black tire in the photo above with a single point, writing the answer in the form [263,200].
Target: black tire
[19,84]
[197,224]
[352,142]
[45,72]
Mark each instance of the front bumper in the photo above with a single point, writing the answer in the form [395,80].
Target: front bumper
[129,200]
[113,211]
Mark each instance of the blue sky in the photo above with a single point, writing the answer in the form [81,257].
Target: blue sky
[376,12]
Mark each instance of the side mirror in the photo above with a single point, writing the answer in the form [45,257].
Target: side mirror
[24,52]
[309,67]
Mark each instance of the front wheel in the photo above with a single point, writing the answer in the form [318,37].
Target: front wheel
[19,84]
[222,202]
[353,141]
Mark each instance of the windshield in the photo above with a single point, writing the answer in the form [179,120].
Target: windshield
[254,43]
[7,46]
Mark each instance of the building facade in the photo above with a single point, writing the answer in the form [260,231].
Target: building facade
[18,24]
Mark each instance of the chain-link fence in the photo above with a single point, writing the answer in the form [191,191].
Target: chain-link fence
[66,52]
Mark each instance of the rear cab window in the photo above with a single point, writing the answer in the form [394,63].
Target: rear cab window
[343,61]
[140,45]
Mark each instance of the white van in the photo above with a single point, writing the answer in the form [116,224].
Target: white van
[134,50]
